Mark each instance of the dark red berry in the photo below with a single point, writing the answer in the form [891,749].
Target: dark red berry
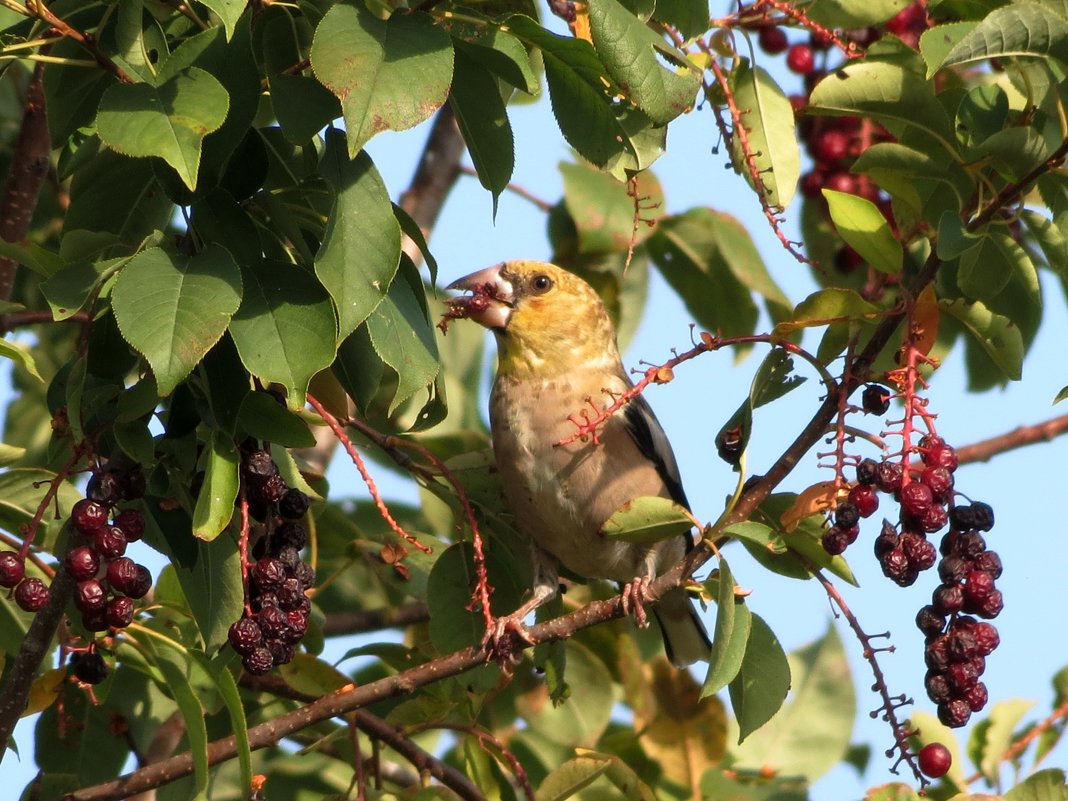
[896,568]
[122,574]
[986,638]
[290,534]
[954,713]
[120,611]
[89,666]
[888,540]
[990,607]
[978,585]
[890,474]
[260,464]
[293,505]
[104,487]
[934,760]
[865,499]
[941,455]
[832,146]
[833,541]
[95,619]
[976,696]
[875,399]
[305,575]
[282,652]
[961,644]
[132,523]
[948,598]
[989,562]
[109,542]
[82,563]
[930,621]
[936,655]
[772,40]
[940,480]
[916,498]
[258,662]
[132,484]
[289,557]
[846,515]
[31,595]
[273,622]
[961,676]
[937,687]
[298,626]
[245,636]
[273,488]
[801,59]
[934,519]
[268,573]
[142,583]
[952,569]
[868,471]
[90,595]
[290,594]
[969,545]
[984,516]
[920,552]
[12,569]
[842,181]
[88,515]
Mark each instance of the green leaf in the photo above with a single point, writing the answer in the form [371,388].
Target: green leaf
[498,51]
[1019,29]
[988,267]
[174,667]
[285,329]
[213,588]
[262,417]
[953,237]
[476,99]
[618,139]
[215,504]
[169,120]
[1046,785]
[759,689]
[629,50]
[68,290]
[996,334]
[689,17]
[931,730]
[687,251]
[852,13]
[733,623]
[21,355]
[231,697]
[827,305]
[1004,718]
[774,378]
[571,777]
[228,12]
[811,734]
[362,242]
[937,41]
[601,209]
[891,94]
[646,520]
[865,229]
[411,230]
[10,453]
[583,718]
[769,122]
[404,338]
[388,75]
[173,308]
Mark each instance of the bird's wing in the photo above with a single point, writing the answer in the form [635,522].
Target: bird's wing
[651,440]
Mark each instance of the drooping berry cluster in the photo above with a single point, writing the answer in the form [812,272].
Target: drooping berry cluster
[107,582]
[957,643]
[834,143]
[276,612]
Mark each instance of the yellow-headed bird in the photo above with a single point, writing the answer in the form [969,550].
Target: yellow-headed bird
[556,347]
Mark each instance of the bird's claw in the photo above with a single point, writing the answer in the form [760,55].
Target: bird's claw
[504,641]
[634,597]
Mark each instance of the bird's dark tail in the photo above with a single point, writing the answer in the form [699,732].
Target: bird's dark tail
[685,638]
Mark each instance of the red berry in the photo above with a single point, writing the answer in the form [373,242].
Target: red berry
[132,524]
[948,598]
[110,542]
[986,638]
[31,595]
[890,474]
[990,606]
[941,455]
[921,553]
[977,587]
[976,696]
[83,563]
[245,636]
[934,519]
[801,59]
[989,562]
[916,498]
[772,40]
[89,515]
[863,497]
[831,146]
[90,596]
[120,612]
[940,480]
[833,541]
[122,574]
[258,662]
[935,760]
[842,181]
[12,569]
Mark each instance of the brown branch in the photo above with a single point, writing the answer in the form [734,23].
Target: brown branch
[1011,440]
[487,742]
[376,727]
[30,162]
[1036,731]
[10,322]
[42,12]
[359,622]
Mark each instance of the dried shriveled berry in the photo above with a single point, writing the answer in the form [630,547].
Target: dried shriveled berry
[82,563]
[88,515]
[120,611]
[31,595]
[88,666]
[12,569]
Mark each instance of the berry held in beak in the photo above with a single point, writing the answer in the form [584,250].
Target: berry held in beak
[488,302]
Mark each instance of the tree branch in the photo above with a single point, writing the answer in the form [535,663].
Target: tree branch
[1011,440]
[375,619]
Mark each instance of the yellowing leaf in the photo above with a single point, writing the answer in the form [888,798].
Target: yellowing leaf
[816,498]
[44,691]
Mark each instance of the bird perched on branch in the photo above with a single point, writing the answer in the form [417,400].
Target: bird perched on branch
[556,351]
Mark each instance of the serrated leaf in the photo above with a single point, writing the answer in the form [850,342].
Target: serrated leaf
[215,504]
[759,689]
[362,242]
[865,229]
[1004,717]
[404,338]
[1046,785]
[769,122]
[480,112]
[937,41]
[774,378]
[69,289]
[169,121]
[285,329]
[1019,29]
[647,519]
[730,637]
[388,75]
[996,334]
[21,355]
[988,267]
[629,50]
[173,308]
[570,777]
[498,51]
[228,12]
[213,588]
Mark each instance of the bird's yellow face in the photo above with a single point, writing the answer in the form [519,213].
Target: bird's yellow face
[544,317]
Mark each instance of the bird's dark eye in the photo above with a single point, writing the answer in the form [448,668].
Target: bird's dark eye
[541,284]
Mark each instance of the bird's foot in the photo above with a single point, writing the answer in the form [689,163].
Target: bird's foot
[634,597]
[505,640]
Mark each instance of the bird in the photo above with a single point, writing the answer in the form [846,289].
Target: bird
[556,353]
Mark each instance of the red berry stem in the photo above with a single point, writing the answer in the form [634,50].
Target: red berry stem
[29,530]
[242,542]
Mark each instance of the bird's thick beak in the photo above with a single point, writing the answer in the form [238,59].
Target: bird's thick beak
[490,299]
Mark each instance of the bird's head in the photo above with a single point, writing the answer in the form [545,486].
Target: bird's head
[542,315]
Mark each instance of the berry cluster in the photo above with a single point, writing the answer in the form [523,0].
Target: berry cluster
[957,643]
[276,611]
[107,581]
[834,143]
